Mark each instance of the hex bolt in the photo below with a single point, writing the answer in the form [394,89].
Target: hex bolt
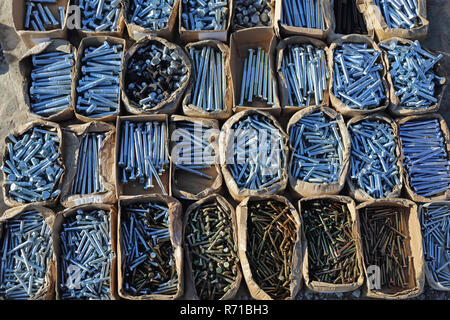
[292,66]
[149,267]
[86,180]
[369,162]
[209,76]
[101,15]
[318,149]
[256,160]
[149,14]
[205,15]
[252,14]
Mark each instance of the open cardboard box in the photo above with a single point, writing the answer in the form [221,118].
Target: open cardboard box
[240,42]
[31,37]
[236,27]
[96,42]
[187,185]
[117,33]
[197,35]
[283,30]
[134,187]
[26,67]
[287,109]
[413,248]
[136,32]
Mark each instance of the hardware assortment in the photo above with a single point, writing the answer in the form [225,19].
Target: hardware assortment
[149,263]
[32,165]
[152,76]
[373,157]
[332,251]
[51,85]
[99,86]
[143,152]
[271,236]
[305,71]
[210,243]
[425,156]
[25,251]
[318,149]
[86,251]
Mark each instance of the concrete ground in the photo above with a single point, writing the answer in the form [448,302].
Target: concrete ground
[13,110]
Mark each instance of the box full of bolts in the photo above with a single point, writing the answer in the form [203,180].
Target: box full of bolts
[47,70]
[201,20]
[37,21]
[142,155]
[89,159]
[151,18]
[97,17]
[253,71]
[303,18]
[98,78]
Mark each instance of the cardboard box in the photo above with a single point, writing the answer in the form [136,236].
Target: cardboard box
[56,236]
[26,66]
[240,42]
[282,85]
[176,238]
[197,35]
[285,30]
[187,185]
[31,37]
[413,247]
[136,32]
[96,42]
[134,187]
[86,33]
